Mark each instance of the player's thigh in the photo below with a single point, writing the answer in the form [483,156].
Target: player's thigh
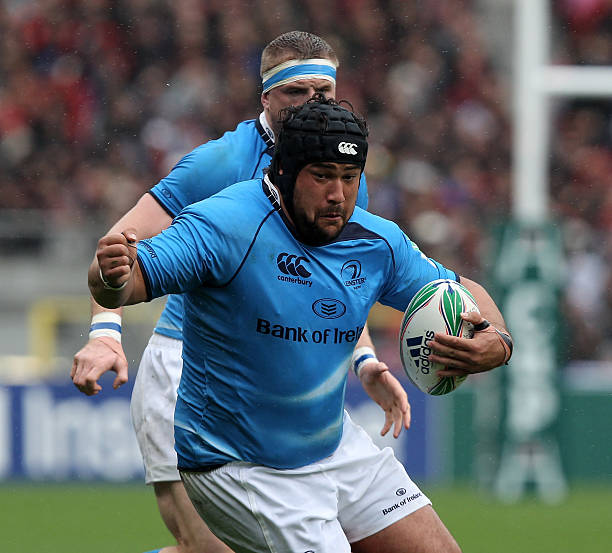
[176,508]
[419,532]
[255,509]
[184,522]
[152,407]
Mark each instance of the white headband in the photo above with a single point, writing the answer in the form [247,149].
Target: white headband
[295,70]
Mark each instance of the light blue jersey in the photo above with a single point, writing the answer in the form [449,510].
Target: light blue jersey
[270,323]
[239,155]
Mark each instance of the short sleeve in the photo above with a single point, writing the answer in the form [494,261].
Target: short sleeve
[410,271]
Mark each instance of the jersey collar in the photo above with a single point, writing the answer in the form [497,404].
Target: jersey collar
[271,192]
[265,131]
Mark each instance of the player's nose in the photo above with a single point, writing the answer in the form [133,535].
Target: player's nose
[335,190]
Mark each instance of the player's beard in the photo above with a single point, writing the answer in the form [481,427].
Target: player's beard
[315,230]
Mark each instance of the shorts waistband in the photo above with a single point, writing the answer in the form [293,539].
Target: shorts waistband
[161,340]
[203,468]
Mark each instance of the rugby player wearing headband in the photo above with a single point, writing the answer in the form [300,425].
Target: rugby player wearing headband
[268,455]
[294,66]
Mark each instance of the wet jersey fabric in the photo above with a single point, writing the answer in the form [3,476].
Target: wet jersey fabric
[270,323]
[239,155]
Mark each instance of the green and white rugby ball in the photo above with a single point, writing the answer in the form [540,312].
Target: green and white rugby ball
[435,308]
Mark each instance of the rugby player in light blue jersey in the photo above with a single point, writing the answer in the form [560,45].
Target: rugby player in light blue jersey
[293,67]
[268,455]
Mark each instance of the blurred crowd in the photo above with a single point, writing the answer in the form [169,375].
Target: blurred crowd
[99,99]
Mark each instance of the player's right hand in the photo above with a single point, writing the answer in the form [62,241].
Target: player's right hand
[95,358]
[115,255]
[386,390]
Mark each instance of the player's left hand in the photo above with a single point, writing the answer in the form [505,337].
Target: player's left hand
[464,356]
[95,358]
[387,391]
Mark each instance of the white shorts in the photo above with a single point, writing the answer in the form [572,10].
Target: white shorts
[152,407]
[323,507]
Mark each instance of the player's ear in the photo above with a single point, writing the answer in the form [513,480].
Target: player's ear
[265,102]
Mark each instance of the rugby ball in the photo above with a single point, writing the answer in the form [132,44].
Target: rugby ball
[435,308]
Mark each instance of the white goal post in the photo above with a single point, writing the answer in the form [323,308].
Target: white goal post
[536,82]
[529,271]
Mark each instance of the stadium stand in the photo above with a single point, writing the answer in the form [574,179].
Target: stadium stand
[99,99]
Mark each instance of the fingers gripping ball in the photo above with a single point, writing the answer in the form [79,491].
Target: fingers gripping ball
[435,308]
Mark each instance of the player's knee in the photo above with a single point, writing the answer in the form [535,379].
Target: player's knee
[206,546]
[448,545]
[184,545]
[442,540]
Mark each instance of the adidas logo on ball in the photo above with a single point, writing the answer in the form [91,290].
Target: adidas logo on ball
[419,351]
[347,148]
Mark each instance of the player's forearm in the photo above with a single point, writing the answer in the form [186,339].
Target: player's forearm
[96,308]
[487,307]
[147,218]
[107,297]
[364,353]
[365,341]
[103,295]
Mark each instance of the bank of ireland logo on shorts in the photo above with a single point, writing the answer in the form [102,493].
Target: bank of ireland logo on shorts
[351,274]
[347,148]
[294,268]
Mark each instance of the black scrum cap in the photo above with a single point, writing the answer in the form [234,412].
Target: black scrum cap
[321,130]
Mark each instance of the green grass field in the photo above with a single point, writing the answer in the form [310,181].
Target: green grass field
[123,519]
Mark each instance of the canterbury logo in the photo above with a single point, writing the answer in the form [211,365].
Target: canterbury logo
[347,148]
[291,264]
